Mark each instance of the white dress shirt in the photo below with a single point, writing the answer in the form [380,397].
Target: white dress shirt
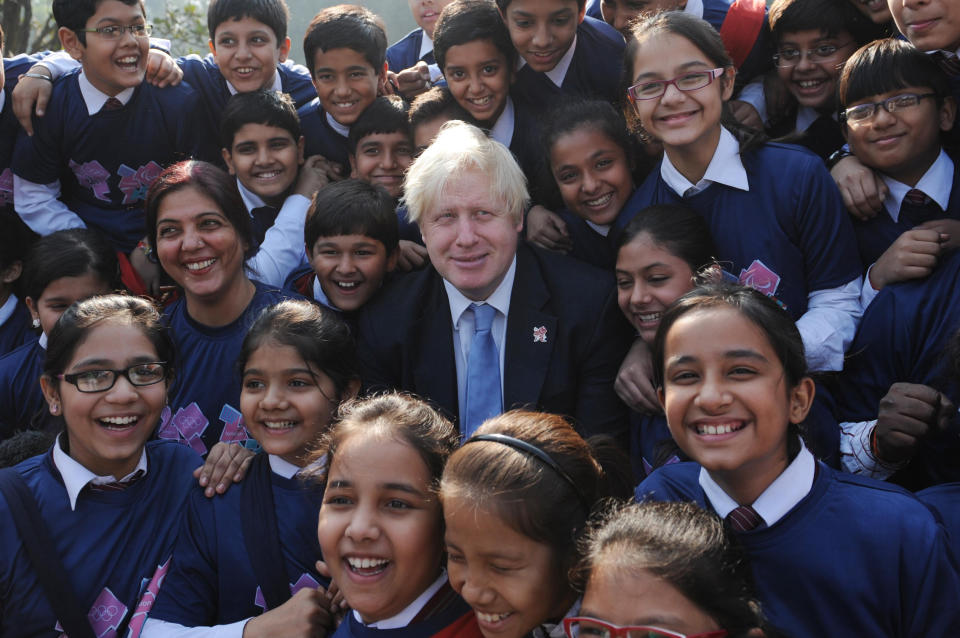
[282,248]
[406,616]
[781,496]
[76,477]
[936,184]
[502,130]
[830,322]
[559,72]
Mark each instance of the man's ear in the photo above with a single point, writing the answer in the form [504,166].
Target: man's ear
[12,272]
[392,259]
[71,43]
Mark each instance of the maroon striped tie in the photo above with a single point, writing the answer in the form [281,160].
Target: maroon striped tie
[117,486]
[112,104]
[744,519]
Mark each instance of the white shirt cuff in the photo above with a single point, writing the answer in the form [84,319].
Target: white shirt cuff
[829,325]
[155,628]
[856,452]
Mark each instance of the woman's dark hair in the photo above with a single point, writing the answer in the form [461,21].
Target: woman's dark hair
[676,227]
[684,545]
[772,320]
[79,319]
[397,416]
[528,495]
[889,65]
[320,337]
[701,35]
[69,253]
[211,182]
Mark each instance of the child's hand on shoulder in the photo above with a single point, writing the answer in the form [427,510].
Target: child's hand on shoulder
[162,70]
[412,256]
[908,413]
[413,81]
[316,172]
[547,229]
[862,189]
[913,255]
[226,463]
[949,231]
[306,614]
[31,95]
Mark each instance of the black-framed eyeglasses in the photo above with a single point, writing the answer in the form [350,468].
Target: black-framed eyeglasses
[786,58]
[863,112]
[585,627]
[686,82]
[140,374]
[116,31]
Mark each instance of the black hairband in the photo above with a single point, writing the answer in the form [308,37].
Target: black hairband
[534,451]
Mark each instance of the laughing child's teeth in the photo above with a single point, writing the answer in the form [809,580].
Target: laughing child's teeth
[490,618]
[481,101]
[344,105]
[809,84]
[132,59]
[366,563]
[717,429]
[200,265]
[600,201]
[348,285]
[118,420]
[653,316]
[245,70]
[279,425]
[268,175]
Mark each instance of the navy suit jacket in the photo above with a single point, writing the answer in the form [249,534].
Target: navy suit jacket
[406,342]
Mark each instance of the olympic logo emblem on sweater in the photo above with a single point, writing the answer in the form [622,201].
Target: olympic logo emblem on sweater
[540,334]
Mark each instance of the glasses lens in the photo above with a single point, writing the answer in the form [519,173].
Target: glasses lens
[901,102]
[647,632]
[860,113]
[145,374]
[787,57]
[824,52]
[647,90]
[95,380]
[693,81]
[588,629]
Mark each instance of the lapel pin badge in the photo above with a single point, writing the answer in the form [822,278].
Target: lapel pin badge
[540,334]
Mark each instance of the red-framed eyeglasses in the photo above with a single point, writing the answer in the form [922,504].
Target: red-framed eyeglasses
[584,627]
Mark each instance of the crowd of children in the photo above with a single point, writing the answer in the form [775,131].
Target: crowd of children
[361,289]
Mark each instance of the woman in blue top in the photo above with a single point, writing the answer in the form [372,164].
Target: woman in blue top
[200,231]
[774,213]
[109,501]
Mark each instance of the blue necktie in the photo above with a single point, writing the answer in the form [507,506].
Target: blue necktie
[483,371]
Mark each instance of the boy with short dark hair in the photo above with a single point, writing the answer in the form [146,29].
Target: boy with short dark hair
[263,148]
[562,52]
[351,239]
[344,49]
[107,133]
[896,105]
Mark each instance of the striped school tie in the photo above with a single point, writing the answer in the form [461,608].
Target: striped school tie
[117,486]
[744,519]
[949,63]
[917,208]
[112,104]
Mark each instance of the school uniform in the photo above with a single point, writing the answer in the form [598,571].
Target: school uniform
[89,164]
[792,241]
[590,69]
[651,444]
[277,235]
[438,612]
[212,580]
[941,183]
[16,324]
[834,554]
[820,133]
[902,338]
[9,126]
[944,502]
[414,47]
[592,243]
[204,402]
[323,135]
[22,406]
[115,545]
[518,129]
[203,74]
[747,37]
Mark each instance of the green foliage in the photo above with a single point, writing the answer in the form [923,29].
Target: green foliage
[185,26]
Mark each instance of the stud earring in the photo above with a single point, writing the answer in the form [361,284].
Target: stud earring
[36,322]
[55,408]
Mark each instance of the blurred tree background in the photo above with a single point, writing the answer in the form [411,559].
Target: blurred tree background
[29,26]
